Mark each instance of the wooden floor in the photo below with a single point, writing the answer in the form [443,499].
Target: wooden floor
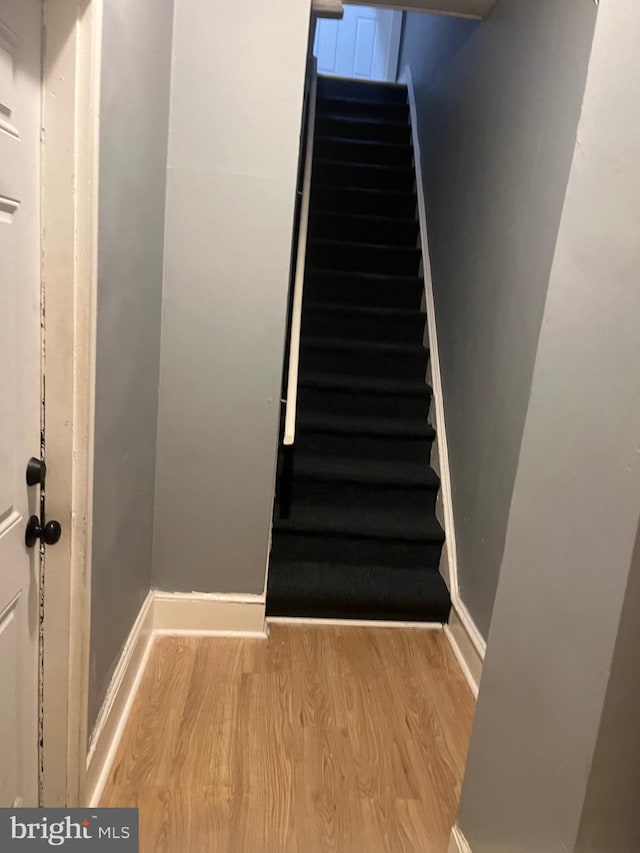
[317,739]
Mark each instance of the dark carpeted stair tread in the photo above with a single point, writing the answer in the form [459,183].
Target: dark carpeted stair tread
[362,257]
[348,345]
[381,176]
[350,127]
[365,384]
[370,90]
[364,150]
[335,590]
[390,280]
[373,110]
[361,228]
[353,199]
[361,522]
[355,426]
[379,472]
[362,311]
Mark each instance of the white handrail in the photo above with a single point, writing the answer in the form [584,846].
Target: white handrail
[296,309]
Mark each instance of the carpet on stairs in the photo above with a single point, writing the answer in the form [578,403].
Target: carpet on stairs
[362,540]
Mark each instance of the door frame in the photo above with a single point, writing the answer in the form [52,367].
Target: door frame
[69,208]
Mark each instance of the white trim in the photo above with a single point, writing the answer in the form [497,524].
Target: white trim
[70,104]
[209,614]
[468,658]
[450,559]
[464,637]
[457,842]
[298,285]
[354,623]
[118,702]
[393,56]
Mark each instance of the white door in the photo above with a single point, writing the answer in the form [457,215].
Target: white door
[20,26]
[364,44]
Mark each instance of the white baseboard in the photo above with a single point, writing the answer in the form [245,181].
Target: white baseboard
[463,635]
[216,615]
[457,842]
[115,710]
[448,563]
[190,614]
[354,623]
[466,643]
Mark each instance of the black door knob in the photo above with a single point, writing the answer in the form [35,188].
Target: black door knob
[36,472]
[50,533]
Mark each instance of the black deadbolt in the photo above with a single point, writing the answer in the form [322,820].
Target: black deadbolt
[36,472]
[50,533]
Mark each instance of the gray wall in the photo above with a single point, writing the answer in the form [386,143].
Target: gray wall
[498,107]
[540,742]
[236,101]
[133,149]
[610,818]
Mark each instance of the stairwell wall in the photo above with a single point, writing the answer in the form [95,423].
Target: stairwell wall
[498,105]
[236,102]
[134,107]
[552,762]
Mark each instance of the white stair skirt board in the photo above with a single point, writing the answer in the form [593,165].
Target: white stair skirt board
[463,635]
[117,705]
[457,842]
[174,613]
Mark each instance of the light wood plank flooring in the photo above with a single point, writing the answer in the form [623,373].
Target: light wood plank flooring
[316,739]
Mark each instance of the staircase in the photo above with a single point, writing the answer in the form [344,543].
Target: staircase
[362,540]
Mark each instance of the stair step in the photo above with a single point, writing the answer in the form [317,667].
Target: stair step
[377,485]
[363,358]
[352,288]
[338,87]
[362,522]
[364,175]
[373,111]
[364,151]
[357,323]
[371,202]
[343,591]
[363,427]
[358,228]
[348,127]
[362,257]
[366,396]
[368,472]
[348,438]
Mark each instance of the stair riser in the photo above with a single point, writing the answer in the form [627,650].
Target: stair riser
[369,259]
[314,401]
[416,450]
[352,201]
[339,608]
[387,365]
[342,128]
[325,547]
[363,152]
[332,87]
[343,496]
[363,109]
[365,177]
[363,327]
[359,229]
[351,290]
